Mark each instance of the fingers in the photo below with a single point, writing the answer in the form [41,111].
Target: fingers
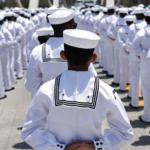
[77,144]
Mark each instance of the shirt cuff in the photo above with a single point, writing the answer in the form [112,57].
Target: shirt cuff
[99,144]
[60,146]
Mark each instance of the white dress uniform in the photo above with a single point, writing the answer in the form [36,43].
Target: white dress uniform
[141,47]
[102,62]
[12,30]
[2,44]
[108,43]
[20,33]
[123,57]
[134,60]
[4,57]
[112,32]
[74,105]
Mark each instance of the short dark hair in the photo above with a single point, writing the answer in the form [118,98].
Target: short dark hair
[43,39]
[59,27]
[77,56]
[129,22]
[122,15]
[111,11]
[147,19]
[140,16]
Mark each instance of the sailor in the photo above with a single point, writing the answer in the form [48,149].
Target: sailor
[112,32]
[124,54]
[6,39]
[20,32]
[45,61]
[34,41]
[135,60]
[102,63]
[2,44]
[141,48]
[69,110]
[108,44]
[23,46]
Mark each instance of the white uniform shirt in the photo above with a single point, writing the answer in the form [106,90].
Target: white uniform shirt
[73,106]
[141,43]
[134,28]
[41,69]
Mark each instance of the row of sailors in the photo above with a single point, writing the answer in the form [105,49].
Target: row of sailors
[16,29]
[123,47]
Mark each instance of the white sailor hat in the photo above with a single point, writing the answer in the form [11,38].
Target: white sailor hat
[129,18]
[111,7]
[138,10]
[141,5]
[1,17]
[50,10]
[22,12]
[16,9]
[61,16]
[147,13]
[83,10]
[91,4]
[9,14]
[123,11]
[96,9]
[80,38]
[45,32]
[33,11]
[104,9]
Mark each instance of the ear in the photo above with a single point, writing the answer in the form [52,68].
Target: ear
[93,58]
[62,54]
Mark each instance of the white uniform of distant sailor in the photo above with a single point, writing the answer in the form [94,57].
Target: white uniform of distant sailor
[112,32]
[74,105]
[141,47]
[134,60]
[108,44]
[4,54]
[123,54]
[101,28]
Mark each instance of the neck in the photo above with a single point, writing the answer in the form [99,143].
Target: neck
[56,34]
[77,68]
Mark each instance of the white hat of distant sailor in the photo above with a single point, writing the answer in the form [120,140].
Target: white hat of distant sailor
[22,12]
[61,16]
[123,10]
[16,9]
[9,14]
[50,10]
[138,10]
[147,13]
[111,7]
[45,31]
[104,9]
[129,18]
[96,9]
[15,15]
[33,11]
[1,17]
[80,38]
[141,5]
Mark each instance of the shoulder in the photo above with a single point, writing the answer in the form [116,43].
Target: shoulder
[107,93]
[37,53]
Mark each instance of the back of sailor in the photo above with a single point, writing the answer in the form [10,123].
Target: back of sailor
[134,60]
[141,48]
